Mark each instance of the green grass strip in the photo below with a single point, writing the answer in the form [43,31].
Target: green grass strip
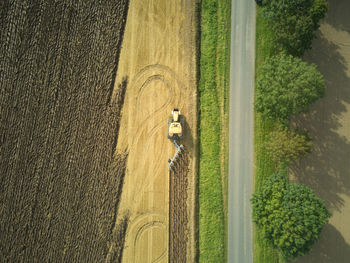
[265,47]
[213,101]
[223,87]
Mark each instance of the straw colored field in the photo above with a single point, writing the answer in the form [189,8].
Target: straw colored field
[158,56]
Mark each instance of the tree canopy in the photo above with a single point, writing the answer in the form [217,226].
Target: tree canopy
[293,22]
[287,145]
[290,216]
[287,86]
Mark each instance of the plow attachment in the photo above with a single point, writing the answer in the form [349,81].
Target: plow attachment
[173,161]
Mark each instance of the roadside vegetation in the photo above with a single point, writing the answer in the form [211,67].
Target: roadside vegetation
[223,86]
[294,23]
[213,101]
[285,85]
[290,215]
[286,145]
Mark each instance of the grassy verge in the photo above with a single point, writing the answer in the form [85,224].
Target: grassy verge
[264,165]
[223,86]
[213,98]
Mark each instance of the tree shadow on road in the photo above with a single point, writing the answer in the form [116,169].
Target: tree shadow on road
[322,253]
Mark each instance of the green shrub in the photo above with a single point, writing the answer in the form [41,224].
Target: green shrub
[211,203]
[294,22]
[287,86]
[290,216]
[286,145]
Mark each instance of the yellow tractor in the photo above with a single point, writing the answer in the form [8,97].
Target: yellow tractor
[175,132]
[175,125]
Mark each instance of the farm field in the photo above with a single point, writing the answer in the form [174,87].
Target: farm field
[159,58]
[60,177]
[327,169]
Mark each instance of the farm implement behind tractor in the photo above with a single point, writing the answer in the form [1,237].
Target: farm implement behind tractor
[175,133]
[178,182]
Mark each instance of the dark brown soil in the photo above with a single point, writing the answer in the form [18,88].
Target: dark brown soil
[178,214]
[60,180]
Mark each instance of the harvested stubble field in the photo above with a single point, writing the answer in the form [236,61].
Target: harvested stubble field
[159,57]
[60,178]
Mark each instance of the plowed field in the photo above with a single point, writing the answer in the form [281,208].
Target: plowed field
[158,56]
[60,179]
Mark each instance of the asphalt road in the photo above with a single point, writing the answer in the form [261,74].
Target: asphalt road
[240,178]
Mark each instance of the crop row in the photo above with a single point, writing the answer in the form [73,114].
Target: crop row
[59,175]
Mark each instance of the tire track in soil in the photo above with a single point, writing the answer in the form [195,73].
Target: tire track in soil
[148,122]
[158,55]
[142,83]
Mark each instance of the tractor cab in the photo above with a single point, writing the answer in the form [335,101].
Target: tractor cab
[175,125]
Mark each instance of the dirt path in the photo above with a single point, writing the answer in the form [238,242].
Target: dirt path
[327,169]
[158,56]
